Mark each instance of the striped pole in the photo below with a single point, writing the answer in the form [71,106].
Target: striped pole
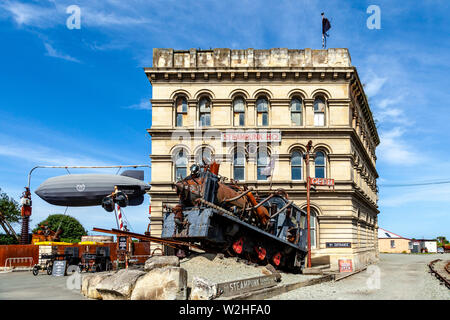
[120,218]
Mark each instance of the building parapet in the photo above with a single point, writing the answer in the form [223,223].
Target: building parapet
[250,58]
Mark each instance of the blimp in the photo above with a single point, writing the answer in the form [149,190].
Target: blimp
[81,190]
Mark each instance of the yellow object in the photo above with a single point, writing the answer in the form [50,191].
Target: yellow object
[90,243]
[52,243]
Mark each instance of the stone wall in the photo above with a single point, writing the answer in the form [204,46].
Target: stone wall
[251,58]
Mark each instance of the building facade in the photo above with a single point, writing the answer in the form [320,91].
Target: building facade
[246,107]
[389,242]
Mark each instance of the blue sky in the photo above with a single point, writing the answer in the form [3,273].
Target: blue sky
[81,97]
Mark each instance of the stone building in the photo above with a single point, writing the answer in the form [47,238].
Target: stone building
[243,107]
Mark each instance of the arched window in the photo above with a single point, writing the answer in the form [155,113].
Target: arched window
[296,112]
[181,110]
[203,156]
[320,165]
[181,161]
[296,165]
[262,108]
[313,227]
[262,164]
[239,112]
[319,111]
[204,112]
[239,165]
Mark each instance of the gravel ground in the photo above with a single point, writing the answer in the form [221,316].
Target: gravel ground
[402,277]
[211,267]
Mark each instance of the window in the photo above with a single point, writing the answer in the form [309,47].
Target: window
[313,227]
[296,112]
[262,108]
[262,162]
[203,156]
[319,111]
[181,162]
[392,243]
[296,165]
[239,112]
[181,110]
[204,112]
[239,165]
[320,166]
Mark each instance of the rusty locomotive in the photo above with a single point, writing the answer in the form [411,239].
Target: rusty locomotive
[222,216]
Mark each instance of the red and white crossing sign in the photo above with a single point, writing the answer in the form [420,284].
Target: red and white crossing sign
[321,182]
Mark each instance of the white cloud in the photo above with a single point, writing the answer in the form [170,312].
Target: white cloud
[374,85]
[30,14]
[143,105]
[52,52]
[393,149]
[399,197]
[39,154]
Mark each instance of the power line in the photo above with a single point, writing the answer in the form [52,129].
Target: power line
[414,184]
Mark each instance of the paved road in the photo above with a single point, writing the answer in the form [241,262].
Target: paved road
[401,276]
[22,285]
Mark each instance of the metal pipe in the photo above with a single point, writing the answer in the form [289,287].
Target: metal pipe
[261,203]
[238,196]
[284,207]
[308,201]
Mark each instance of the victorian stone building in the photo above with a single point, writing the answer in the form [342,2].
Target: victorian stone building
[245,107]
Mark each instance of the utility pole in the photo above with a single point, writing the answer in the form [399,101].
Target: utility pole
[308,200]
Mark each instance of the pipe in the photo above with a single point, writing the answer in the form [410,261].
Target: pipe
[238,196]
[261,203]
[285,206]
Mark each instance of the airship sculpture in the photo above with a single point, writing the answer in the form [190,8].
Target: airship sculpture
[80,190]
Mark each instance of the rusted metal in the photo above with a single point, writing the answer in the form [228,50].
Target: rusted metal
[282,209]
[172,243]
[308,201]
[238,196]
[440,271]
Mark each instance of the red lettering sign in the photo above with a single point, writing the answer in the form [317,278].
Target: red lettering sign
[345,265]
[322,182]
[272,136]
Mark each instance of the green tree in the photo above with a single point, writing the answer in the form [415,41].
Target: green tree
[72,230]
[441,241]
[9,208]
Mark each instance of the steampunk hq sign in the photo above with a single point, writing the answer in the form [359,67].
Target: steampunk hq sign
[251,136]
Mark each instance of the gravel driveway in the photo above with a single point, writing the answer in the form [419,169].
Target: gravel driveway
[402,277]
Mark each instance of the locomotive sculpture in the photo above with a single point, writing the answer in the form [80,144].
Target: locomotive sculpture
[226,217]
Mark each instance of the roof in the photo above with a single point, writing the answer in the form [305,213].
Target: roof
[385,234]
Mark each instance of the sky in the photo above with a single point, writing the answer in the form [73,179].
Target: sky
[81,97]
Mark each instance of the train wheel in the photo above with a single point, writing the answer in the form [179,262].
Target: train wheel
[276,259]
[238,245]
[261,252]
